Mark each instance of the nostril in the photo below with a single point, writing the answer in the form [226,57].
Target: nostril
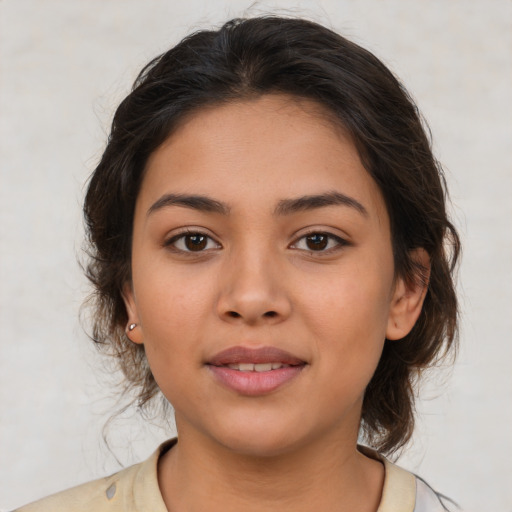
[268,314]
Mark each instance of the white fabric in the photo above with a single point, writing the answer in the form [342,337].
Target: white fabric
[426,499]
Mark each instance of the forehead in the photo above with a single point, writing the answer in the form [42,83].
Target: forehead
[266,149]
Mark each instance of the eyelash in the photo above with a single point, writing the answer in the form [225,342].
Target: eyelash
[339,242]
[173,241]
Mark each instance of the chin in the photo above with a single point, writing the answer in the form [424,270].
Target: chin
[260,439]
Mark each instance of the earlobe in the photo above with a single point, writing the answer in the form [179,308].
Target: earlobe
[408,298]
[132,329]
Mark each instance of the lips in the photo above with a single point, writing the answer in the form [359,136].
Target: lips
[254,372]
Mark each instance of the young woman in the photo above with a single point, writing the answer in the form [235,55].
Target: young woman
[270,250]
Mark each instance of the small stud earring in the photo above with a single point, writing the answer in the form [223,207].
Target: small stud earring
[131,327]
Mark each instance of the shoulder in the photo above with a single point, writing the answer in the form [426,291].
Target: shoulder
[427,500]
[131,490]
[91,496]
[402,484]
[403,491]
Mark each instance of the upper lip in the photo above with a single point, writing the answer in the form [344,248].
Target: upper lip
[240,354]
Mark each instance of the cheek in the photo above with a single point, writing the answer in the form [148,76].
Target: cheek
[171,308]
[351,301]
[349,313]
[172,329]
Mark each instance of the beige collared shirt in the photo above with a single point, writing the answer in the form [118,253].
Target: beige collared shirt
[135,489]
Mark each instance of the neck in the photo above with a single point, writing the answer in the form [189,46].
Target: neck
[323,475]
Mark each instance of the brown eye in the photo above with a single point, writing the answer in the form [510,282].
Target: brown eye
[192,242]
[195,242]
[317,241]
[320,242]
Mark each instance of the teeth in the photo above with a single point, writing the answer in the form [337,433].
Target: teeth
[263,367]
[258,367]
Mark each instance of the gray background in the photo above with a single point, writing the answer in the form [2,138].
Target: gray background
[64,65]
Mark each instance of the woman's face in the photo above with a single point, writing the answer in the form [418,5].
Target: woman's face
[262,276]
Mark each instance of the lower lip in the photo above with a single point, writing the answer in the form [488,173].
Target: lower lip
[255,383]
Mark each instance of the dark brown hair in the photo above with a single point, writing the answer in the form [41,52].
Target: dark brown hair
[251,57]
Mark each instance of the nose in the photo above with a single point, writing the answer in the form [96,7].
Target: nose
[253,291]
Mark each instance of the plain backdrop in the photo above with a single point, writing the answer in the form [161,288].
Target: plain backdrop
[64,66]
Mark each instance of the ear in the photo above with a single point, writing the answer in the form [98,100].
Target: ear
[408,299]
[130,303]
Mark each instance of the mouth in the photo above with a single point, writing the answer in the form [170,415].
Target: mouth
[255,359]
[257,367]
[254,372]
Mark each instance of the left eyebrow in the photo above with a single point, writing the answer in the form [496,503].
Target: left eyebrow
[195,202]
[288,206]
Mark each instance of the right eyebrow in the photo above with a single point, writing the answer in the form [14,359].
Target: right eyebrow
[196,202]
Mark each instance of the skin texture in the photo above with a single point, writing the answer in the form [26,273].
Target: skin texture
[257,282]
